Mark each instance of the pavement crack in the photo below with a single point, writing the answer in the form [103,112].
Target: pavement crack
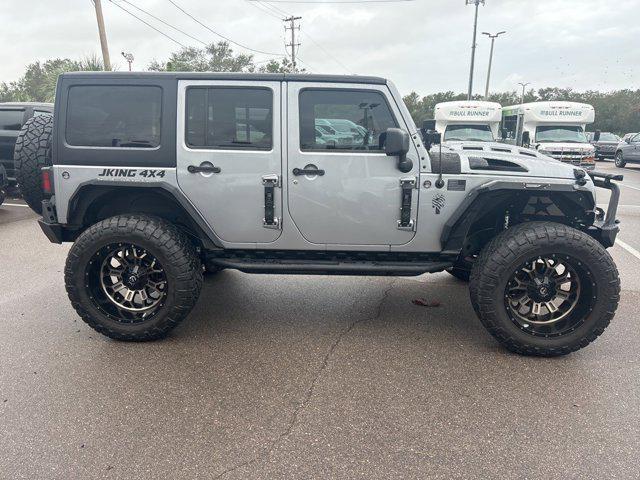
[309,392]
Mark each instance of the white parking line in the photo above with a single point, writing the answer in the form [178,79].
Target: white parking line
[14,205]
[629,186]
[629,248]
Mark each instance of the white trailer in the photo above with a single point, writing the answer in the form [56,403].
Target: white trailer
[556,129]
[468,120]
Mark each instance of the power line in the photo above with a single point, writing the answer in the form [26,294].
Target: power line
[311,2]
[326,51]
[148,24]
[275,8]
[164,22]
[219,34]
[264,9]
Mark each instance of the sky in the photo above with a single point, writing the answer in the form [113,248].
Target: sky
[421,45]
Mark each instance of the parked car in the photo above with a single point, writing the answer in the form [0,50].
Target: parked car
[628,151]
[150,188]
[12,117]
[605,143]
[4,182]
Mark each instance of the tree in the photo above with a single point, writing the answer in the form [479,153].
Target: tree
[216,57]
[38,84]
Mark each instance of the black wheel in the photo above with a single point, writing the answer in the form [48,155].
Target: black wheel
[133,277]
[32,152]
[619,160]
[542,288]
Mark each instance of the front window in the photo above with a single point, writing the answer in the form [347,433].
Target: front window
[560,134]
[608,137]
[114,116]
[478,133]
[343,120]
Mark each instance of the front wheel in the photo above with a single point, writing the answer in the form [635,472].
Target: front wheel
[133,277]
[619,160]
[545,289]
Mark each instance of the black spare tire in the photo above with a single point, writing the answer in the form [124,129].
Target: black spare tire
[32,152]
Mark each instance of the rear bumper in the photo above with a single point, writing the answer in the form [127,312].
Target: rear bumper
[606,226]
[53,231]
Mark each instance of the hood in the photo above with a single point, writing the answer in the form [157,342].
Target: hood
[501,159]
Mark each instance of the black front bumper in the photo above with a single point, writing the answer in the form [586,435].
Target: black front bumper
[606,227]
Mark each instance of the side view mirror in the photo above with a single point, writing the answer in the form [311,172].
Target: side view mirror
[431,138]
[596,136]
[628,139]
[526,138]
[503,133]
[397,145]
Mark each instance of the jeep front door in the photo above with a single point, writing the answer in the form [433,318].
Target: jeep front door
[342,188]
[229,156]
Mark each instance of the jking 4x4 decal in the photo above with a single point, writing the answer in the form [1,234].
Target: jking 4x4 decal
[131,174]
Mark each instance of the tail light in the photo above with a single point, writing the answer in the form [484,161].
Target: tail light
[47,182]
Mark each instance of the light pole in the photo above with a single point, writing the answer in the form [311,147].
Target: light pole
[128,57]
[473,44]
[493,37]
[524,84]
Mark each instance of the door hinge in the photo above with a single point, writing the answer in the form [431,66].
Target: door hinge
[407,186]
[270,183]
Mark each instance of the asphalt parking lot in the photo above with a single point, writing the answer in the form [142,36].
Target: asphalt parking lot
[308,377]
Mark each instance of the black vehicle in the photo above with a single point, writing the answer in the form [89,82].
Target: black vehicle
[12,117]
[628,151]
[606,143]
[3,184]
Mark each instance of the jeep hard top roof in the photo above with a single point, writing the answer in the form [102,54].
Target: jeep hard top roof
[264,77]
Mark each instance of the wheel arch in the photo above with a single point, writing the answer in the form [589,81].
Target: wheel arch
[489,209]
[92,203]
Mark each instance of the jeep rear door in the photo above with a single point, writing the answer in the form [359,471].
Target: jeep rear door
[343,189]
[229,156]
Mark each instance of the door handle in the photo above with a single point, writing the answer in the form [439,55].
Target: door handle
[203,169]
[308,171]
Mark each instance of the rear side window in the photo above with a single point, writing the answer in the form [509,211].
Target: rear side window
[238,118]
[348,120]
[11,119]
[114,116]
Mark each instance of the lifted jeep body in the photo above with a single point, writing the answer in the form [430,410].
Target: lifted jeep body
[231,171]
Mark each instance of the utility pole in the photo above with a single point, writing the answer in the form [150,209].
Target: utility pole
[473,45]
[129,58]
[292,21]
[524,84]
[103,35]
[493,39]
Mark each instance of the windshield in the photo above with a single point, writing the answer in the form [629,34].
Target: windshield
[608,137]
[479,133]
[561,134]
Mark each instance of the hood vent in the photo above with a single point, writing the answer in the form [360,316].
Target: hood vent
[494,164]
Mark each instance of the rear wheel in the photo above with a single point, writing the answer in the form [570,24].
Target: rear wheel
[545,289]
[133,277]
[32,152]
[619,160]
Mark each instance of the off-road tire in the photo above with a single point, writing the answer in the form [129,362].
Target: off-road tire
[32,152]
[165,242]
[499,258]
[619,160]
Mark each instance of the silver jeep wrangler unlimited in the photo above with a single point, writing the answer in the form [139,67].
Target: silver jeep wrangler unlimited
[159,177]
